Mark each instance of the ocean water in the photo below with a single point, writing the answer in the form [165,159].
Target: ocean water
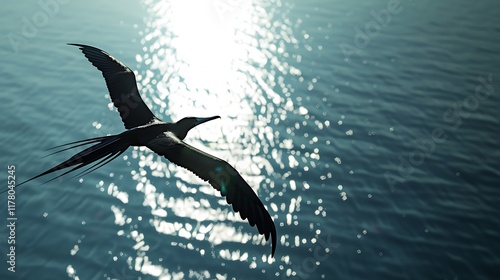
[368,129]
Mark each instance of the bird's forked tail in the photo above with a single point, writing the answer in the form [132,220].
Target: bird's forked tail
[104,150]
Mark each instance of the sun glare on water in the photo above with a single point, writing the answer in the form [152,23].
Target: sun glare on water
[206,58]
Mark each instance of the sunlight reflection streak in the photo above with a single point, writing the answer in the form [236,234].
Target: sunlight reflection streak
[199,62]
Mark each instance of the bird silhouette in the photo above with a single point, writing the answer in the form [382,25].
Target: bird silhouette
[143,128]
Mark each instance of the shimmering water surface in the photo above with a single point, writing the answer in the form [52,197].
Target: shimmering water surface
[368,129]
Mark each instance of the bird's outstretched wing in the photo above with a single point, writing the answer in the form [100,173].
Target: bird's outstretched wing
[122,87]
[223,177]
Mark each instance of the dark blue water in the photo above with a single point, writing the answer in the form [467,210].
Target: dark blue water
[368,129]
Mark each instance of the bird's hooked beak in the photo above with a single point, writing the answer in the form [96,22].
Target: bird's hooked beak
[199,121]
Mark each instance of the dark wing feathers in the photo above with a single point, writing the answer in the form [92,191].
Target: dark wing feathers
[122,87]
[223,177]
[123,91]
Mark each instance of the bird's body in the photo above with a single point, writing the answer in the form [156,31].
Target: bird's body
[143,128]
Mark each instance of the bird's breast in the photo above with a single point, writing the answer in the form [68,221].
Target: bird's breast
[143,135]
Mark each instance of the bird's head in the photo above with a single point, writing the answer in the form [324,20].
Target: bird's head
[182,127]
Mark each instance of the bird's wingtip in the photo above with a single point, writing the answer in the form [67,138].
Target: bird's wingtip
[77,45]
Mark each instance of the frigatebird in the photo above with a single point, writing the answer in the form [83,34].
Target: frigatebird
[143,128]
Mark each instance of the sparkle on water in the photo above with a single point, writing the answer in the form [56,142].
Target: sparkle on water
[238,74]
